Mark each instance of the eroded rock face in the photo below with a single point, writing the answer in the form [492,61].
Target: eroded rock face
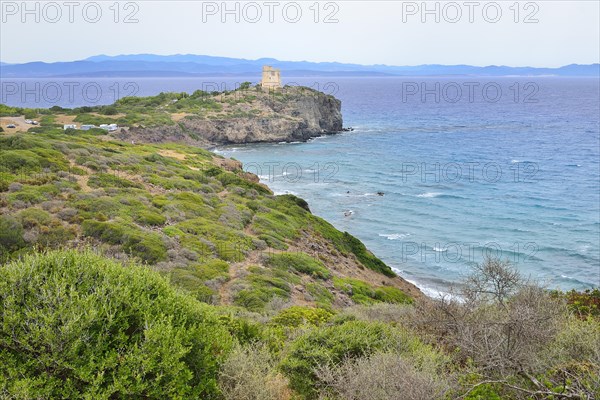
[292,114]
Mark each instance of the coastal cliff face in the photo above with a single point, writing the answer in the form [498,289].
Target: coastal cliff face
[252,115]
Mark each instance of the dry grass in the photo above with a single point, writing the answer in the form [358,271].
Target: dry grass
[172,154]
[382,376]
[249,373]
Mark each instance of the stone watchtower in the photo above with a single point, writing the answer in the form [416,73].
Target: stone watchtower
[271,78]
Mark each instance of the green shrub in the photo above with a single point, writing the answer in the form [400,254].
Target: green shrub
[346,243]
[148,246]
[321,295]
[230,179]
[193,278]
[54,236]
[264,285]
[7,111]
[106,231]
[185,278]
[20,142]
[393,295]
[255,299]
[363,293]
[584,303]
[246,330]
[299,262]
[484,392]
[33,194]
[230,244]
[11,236]
[94,329]
[30,113]
[212,269]
[148,217]
[295,200]
[296,316]
[331,345]
[90,206]
[34,217]
[273,242]
[19,161]
[108,180]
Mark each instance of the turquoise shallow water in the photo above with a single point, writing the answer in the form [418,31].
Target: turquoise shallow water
[460,180]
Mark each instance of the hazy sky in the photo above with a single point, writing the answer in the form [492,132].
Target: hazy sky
[539,33]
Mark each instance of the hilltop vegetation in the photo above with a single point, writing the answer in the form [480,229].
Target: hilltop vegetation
[247,114]
[165,271]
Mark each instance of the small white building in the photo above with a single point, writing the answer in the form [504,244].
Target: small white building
[109,127]
[69,126]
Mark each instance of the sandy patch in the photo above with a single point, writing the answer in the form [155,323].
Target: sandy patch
[179,116]
[19,122]
[66,119]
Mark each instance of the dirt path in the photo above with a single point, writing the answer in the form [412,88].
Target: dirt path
[238,270]
[82,180]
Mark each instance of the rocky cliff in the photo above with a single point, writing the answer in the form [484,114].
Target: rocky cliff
[251,115]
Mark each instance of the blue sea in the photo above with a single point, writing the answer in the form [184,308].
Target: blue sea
[442,172]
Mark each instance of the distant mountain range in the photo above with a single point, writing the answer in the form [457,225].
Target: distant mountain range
[190,65]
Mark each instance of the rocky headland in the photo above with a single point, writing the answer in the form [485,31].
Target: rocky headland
[249,116]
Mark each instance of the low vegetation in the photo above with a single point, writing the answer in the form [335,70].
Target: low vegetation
[90,328]
[164,109]
[144,271]
[95,328]
[179,209]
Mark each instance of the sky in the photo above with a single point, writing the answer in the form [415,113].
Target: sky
[546,33]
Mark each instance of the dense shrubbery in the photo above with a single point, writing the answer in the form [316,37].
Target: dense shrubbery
[349,244]
[195,278]
[11,236]
[299,262]
[262,286]
[363,293]
[109,180]
[147,246]
[297,316]
[326,347]
[586,303]
[95,329]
